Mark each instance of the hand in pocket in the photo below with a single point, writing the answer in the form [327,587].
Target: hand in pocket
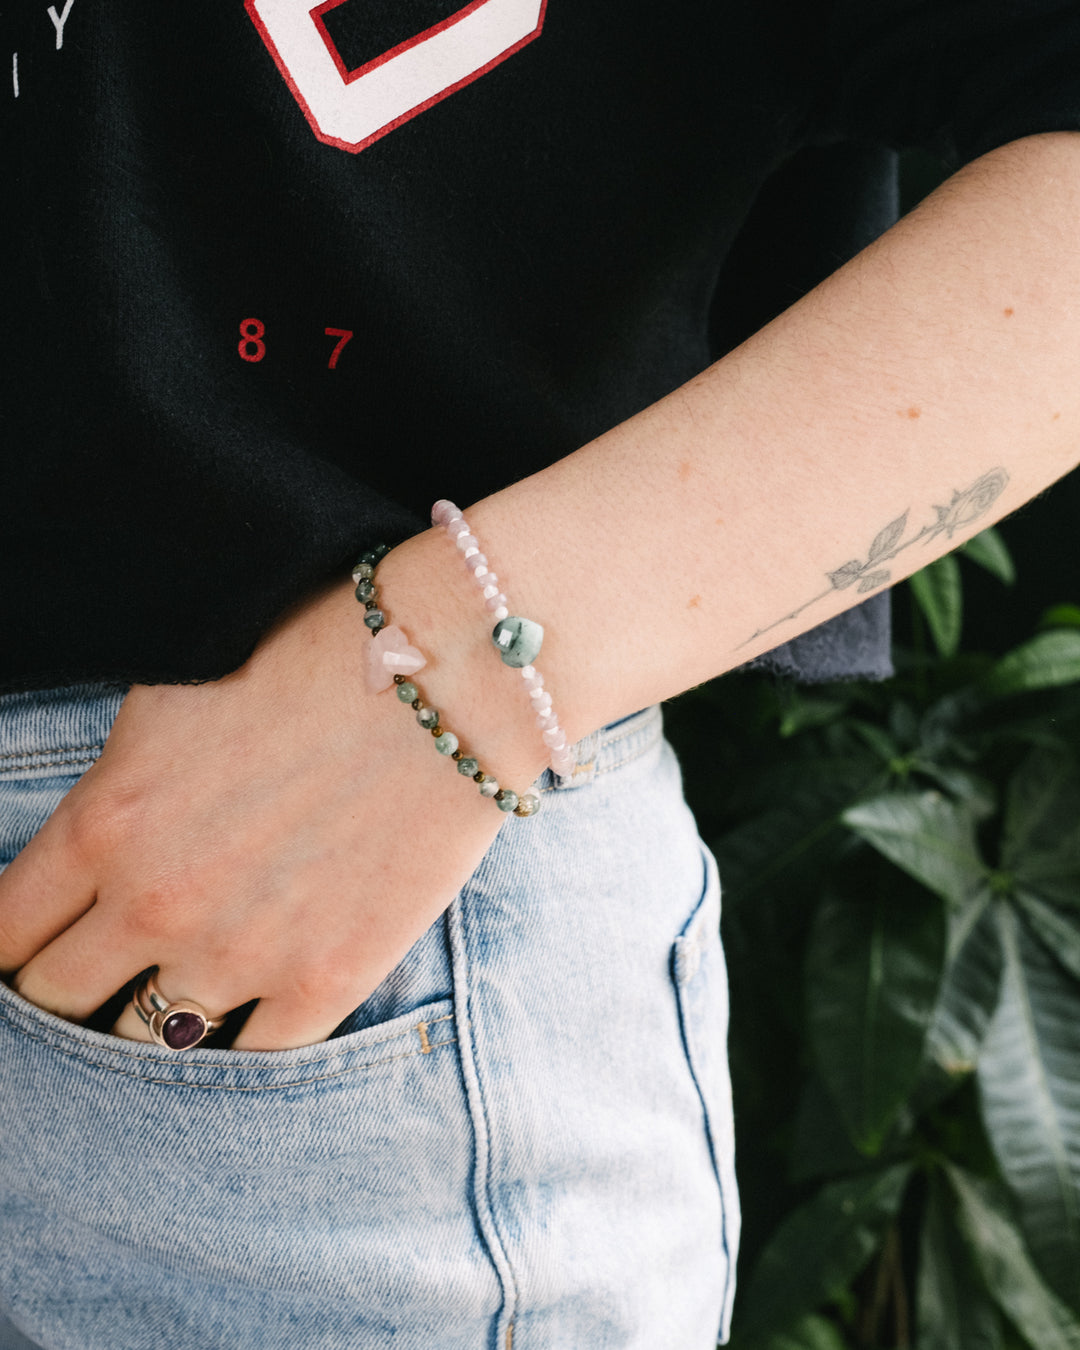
[278,835]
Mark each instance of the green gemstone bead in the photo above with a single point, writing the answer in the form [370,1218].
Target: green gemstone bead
[467,765]
[374,618]
[381,550]
[489,787]
[365,589]
[528,805]
[428,718]
[506,800]
[363,569]
[369,557]
[518,640]
[447,743]
[407,692]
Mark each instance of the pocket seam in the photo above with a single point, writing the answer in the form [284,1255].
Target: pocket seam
[52,750]
[71,1053]
[34,763]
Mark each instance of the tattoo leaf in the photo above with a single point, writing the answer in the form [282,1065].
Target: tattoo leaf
[889,537]
[874,580]
[847,575]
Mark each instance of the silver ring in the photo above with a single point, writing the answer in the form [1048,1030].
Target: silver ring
[178,1025]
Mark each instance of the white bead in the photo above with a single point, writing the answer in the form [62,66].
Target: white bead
[501,613]
[528,672]
[490,591]
[471,552]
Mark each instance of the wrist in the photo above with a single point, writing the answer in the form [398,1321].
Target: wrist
[424,591]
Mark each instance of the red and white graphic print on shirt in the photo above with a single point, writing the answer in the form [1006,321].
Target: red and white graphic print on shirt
[353,108]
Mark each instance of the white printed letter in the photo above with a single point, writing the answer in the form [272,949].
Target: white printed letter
[352,108]
[59,20]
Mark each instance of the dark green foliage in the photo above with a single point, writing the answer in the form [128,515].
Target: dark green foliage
[902,918]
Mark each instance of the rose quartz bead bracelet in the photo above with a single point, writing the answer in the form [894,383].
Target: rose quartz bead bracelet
[517,639]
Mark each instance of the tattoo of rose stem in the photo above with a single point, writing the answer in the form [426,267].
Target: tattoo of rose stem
[964,508]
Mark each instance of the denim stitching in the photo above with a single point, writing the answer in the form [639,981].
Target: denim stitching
[223,1087]
[12,1019]
[56,750]
[633,731]
[477,1108]
[623,762]
[48,764]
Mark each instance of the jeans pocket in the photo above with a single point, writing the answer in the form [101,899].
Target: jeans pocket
[218,1197]
[156,1200]
[700,977]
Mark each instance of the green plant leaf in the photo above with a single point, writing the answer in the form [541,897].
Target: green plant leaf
[873,967]
[1059,930]
[1041,845]
[877,738]
[1007,1269]
[1027,1077]
[989,550]
[821,1146]
[1048,660]
[1042,806]
[938,592]
[818,1248]
[1061,616]
[953,1309]
[802,713]
[969,990]
[977,793]
[927,836]
[784,845]
[809,1333]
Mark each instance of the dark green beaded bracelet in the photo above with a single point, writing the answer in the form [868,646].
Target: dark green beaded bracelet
[446,743]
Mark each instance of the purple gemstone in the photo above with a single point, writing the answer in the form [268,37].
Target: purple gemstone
[182,1029]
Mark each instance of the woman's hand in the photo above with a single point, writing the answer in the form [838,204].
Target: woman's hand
[280,834]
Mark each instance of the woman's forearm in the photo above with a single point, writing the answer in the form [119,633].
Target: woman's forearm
[923,391]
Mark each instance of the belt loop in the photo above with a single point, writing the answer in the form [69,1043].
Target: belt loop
[585,752]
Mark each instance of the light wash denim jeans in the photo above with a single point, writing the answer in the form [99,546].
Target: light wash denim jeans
[521,1141]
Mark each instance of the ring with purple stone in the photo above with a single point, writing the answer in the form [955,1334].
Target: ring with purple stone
[178,1025]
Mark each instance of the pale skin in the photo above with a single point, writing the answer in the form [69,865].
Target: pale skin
[306,834]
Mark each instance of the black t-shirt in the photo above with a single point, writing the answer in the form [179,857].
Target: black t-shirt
[280,275]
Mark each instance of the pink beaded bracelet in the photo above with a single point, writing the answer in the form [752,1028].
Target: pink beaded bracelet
[446,514]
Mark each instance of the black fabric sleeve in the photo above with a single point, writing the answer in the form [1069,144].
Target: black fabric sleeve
[955,77]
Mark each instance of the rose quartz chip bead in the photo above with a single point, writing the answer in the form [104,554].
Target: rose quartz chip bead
[391,654]
[445,514]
